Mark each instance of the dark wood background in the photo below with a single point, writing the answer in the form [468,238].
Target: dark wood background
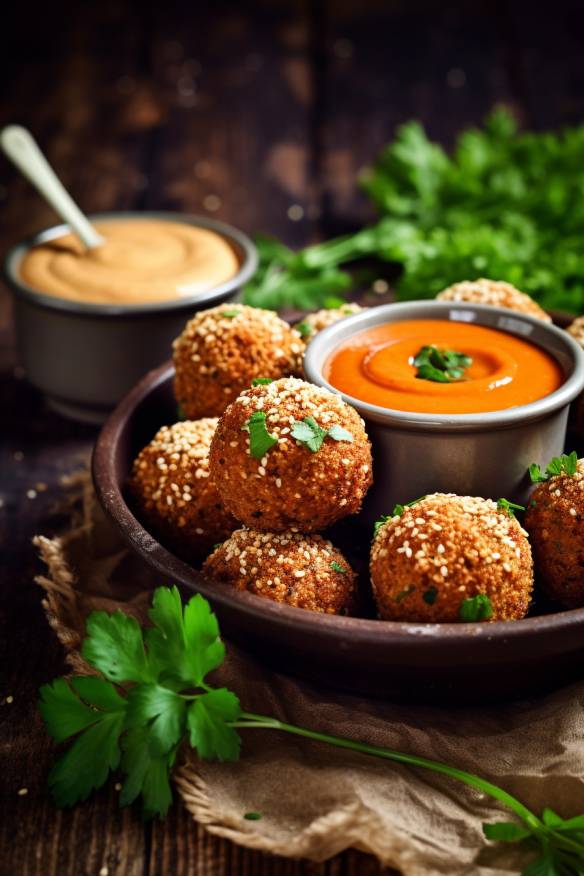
[259,113]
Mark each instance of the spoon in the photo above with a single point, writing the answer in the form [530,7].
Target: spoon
[20,147]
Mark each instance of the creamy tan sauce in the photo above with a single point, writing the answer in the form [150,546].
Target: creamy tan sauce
[142,260]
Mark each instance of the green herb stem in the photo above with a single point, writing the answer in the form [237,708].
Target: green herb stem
[250,720]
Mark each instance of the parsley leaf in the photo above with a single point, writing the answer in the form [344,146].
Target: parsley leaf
[441,366]
[252,816]
[403,593]
[209,731]
[336,567]
[146,773]
[260,439]
[399,509]
[379,523]
[475,608]
[506,831]
[430,595]
[565,464]
[304,329]
[309,433]
[509,507]
[159,709]
[230,314]
[262,381]
[115,647]
[95,750]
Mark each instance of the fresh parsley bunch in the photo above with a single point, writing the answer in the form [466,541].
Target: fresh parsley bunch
[505,205]
[152,696]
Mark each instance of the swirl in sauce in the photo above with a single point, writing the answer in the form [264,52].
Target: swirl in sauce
[141,261]
[376,366]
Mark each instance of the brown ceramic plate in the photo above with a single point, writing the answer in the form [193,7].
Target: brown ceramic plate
[361,655]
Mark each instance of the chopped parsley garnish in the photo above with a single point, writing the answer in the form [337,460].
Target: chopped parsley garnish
[509,507]
[398,509]
[441,366]
[262,381]
[564,464]
[476,608]
[333,302]
[180,413]
[230,314]
[218,545]
[403,593]
[260,439]
[252,816]
[379,523]
[304,329]
[430,595]
[309,433]
[336,567]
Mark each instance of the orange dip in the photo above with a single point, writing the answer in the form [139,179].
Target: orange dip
[141,260]
[376,366]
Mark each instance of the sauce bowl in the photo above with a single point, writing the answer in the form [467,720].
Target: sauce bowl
[84,356]
[485,454]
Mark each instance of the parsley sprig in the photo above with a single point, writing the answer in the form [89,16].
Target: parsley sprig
[441,366]
[564,464]
[309,433]
[260,439]
[508,507]
[152,696]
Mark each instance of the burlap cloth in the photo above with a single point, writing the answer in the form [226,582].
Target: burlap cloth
[317,800]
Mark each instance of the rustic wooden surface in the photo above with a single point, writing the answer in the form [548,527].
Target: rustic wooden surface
[243,112]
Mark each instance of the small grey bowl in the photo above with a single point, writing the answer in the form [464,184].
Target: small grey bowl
[485,454]
[85,357]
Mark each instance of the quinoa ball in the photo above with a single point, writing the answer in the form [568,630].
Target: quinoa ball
[222,350]
[496,293]
[291,484]
[174,493]
[445,549]
[313,323]
[300,570]
[555,522]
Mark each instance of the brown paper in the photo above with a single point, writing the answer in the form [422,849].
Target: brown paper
[317,800]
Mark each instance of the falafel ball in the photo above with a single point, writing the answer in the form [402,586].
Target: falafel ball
[495,293]
[174,492]
[223,349]
[313,323]
[291,456]
[555,522]
[576,329]
[305,571]
[446,549]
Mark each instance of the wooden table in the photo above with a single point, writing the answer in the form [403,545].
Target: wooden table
[261,114]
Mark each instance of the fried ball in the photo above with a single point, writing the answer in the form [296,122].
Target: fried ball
[269,479]
[496,293]
[445,549]
[174,493]
[315,322]
[555,522]
[576,329]
[223,349]
[300,570]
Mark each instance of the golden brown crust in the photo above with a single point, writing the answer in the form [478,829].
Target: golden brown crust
[576,329]
[496,293]
[286,567]
[555,522]
[291,487]
[223,349]
[447,548]
[174,492]
[313,323]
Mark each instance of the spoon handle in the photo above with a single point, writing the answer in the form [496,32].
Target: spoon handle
[21,148]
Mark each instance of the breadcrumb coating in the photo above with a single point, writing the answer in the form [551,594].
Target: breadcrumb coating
[223,349]
[496,293]
[313,323]
[174,492]
[300,570]
[290,487]
[555,522]
[445,549]
[576,329]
